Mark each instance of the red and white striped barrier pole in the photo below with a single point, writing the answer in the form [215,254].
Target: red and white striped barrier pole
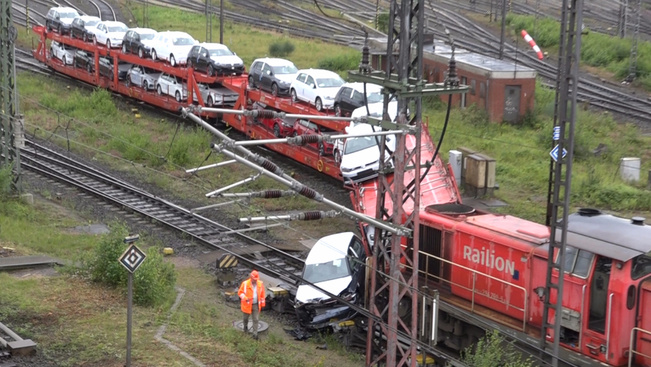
[532,43]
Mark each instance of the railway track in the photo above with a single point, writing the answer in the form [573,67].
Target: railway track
[597,94]
[469,35]
[209,233]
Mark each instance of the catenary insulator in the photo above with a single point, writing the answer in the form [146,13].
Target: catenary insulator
[269,166]
[307,192]
[307,139]
[452,80]
[272,194]
[311,215]
[365,66]
[266,114]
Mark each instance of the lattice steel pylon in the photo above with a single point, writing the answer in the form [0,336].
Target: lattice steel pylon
[561,168]
[632,64]
[392,291]
[11,124]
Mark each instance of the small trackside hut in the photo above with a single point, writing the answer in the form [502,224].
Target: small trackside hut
[505,90]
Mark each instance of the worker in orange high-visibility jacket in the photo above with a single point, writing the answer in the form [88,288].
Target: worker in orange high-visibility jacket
[252,300]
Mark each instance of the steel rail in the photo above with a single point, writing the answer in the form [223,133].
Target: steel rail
[54,165]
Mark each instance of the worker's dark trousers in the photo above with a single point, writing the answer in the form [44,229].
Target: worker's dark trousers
[255,312]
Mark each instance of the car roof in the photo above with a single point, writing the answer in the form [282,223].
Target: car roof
[113,22]
[319,73]
[274,61]
[359,86]
[64,8]
[176,34]
[328,248]
[143,30]
[213,45]
[89,17]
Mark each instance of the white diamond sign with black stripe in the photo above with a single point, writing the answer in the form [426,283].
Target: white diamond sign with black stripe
[132,258]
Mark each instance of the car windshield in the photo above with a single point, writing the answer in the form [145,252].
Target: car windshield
[220,52]
[147,36]
[285,69]
[91,23]
[329,82]
[183,41]
[335,269]
[356,144]
[71,14]
[117,28]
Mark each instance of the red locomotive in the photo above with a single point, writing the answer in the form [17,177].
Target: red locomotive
[490,270]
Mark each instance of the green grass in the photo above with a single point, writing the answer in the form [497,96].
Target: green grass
[597,49]
[80,323]
[522,156]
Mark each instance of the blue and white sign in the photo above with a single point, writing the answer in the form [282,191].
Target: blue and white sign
[554,153]
[557,133]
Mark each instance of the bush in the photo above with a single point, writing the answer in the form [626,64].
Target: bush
[281,48]
[153,281]
[6,178]
[491,351]
[340,63]
[475,116]
[383,22]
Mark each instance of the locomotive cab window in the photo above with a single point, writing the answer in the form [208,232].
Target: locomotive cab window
[641,266]
[577,262]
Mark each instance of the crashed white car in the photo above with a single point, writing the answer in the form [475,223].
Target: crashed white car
[335,264]
[360,156]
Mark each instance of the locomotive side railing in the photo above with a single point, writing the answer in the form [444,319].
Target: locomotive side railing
[610,320]
[473,290]
[632,351]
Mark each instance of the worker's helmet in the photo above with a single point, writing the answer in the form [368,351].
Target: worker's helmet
[255,275]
